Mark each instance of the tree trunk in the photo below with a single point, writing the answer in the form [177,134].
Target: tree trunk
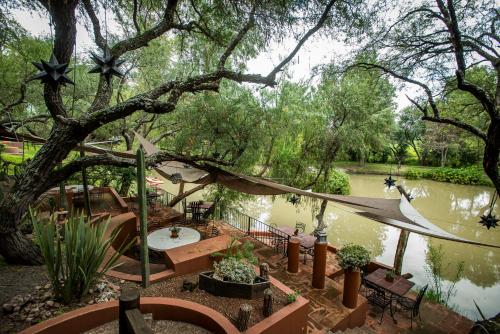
[185,194]
[400,251]
[321,226]
[492,154]
[16,248]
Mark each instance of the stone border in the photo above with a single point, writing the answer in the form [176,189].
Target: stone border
[92,316]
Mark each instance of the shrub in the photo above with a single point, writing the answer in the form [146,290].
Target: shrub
[353,256]
[292,297]
[233,270]
[338,182]
[413,174]
[76,262]
[435,268]
[243,252]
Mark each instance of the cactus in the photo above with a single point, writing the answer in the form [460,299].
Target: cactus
[143,212]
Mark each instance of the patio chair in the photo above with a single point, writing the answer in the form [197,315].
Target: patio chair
[413,306]
[300,226]
[380,299]
[367,287]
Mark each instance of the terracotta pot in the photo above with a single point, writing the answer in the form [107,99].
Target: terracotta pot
[174,234]
[389,278]
[352,281]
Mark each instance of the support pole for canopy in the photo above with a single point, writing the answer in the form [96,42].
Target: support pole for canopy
[143,219]
[403,240]
[400,251]
[63,203]
[86,197]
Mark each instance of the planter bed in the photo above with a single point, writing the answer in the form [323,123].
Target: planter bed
[229,307]
[232,289]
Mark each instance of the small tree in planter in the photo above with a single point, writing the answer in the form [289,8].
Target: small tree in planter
[352,258]
[234,275]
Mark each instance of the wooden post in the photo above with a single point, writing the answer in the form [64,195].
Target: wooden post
[400,251]
[293,255]
[86,197]
[264,270]
[143,217]
[267,309]
[244,317]
[129,300]
[63,203]
[403,239]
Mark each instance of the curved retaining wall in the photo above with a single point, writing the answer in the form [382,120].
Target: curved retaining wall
[86,318]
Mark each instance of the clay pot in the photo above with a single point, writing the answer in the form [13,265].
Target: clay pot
[174,234]
[352,281]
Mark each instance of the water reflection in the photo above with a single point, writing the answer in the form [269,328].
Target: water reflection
[454,208]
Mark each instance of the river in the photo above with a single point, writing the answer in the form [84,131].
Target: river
[454,208]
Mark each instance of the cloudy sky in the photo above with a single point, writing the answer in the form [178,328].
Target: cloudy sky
[317,51]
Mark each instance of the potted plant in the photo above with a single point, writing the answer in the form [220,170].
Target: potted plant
[390,275]
[234,275]
[352,258]
[174,231]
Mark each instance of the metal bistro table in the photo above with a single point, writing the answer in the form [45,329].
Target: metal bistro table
[160,240]
[398,287]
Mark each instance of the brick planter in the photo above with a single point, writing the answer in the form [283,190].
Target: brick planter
[231,289]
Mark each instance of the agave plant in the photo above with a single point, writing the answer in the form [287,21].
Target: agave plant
[78,260]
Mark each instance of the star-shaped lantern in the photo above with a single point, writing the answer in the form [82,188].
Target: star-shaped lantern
[107,65]
[52,72]
[294,199]
[390,182]
[489,220]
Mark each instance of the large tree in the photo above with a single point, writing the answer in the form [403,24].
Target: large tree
[236,30]
[437,47]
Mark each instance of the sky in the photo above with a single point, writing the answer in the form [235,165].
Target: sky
[318,50]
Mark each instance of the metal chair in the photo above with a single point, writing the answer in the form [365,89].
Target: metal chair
[380,299]
[411,305]
[300,226]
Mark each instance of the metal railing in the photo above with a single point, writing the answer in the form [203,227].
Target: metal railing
[267,234]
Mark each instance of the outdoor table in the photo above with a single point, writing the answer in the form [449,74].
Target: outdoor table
[160,240]
[306,241]
[398,287]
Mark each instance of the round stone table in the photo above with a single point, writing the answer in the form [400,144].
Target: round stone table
[160,240]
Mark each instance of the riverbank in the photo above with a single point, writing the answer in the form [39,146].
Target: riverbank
[473,175]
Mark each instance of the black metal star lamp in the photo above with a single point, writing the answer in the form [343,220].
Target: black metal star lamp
[490,220]
[390,182]
[107,65]
[52,72]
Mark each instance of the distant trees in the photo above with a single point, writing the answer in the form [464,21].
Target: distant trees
[439,47]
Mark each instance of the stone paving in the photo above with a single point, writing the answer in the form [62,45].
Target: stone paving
[326,309]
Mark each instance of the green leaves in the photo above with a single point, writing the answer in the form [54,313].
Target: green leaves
[353,256]
[77,258]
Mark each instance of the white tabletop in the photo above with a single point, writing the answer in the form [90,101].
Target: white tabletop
[160,240]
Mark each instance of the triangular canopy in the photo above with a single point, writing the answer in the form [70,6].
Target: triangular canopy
[394,212]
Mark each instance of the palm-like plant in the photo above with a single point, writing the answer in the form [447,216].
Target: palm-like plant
[78,260]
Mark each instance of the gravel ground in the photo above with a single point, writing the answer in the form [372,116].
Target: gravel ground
[158,326]
[229,307]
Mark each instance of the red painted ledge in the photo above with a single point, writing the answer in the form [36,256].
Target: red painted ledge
[92,316]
